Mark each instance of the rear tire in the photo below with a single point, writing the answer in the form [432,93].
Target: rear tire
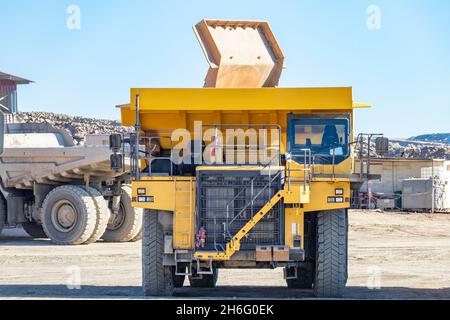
[69,215]
[138,237]
[34,230]
[305,277]
[331,257]
[103,215]
[157,279]
[206,281]
[126,225]
[3,213]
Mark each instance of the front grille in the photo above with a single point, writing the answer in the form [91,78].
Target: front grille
[222,195]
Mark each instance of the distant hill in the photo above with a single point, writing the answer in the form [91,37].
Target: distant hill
[435,137]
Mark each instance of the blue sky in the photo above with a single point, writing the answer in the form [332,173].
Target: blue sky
[403,69]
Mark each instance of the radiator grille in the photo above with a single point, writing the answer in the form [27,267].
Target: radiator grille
[221,196]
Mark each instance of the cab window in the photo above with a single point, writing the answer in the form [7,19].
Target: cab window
[324,137]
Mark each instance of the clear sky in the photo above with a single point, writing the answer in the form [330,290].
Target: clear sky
[403,68]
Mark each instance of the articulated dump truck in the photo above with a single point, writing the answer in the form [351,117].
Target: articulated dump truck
[265,176]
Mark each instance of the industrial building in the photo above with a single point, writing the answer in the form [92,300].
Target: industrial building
[406,184]
[8,91]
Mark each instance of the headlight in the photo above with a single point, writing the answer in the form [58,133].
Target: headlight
[339,191]
[146,199]
[339,200]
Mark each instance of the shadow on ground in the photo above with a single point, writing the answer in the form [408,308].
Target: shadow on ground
[17,237]
[221,292]
[25,242]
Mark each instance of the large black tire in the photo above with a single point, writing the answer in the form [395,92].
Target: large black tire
[3,213]
[331,256]
[157,280]
[103,215]
[34,230]
[305,277]
[60,205]
[126,225]
[346,246]
[206,280]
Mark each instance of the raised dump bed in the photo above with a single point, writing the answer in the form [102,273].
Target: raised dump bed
[64,192]
[241,54]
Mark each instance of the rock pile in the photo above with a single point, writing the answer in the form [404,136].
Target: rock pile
[426,152]
[412,150]
[79,127]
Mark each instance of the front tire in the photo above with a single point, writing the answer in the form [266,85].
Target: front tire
[157,279]
[69,215]
[331,256]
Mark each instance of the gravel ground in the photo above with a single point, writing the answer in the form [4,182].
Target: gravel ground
[391,256]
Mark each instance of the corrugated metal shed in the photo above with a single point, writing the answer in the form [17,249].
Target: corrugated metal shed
[15,79]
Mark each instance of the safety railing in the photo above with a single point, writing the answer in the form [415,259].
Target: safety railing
[255,197]
[263,152]
[244,132]
[307,170]
[142,148]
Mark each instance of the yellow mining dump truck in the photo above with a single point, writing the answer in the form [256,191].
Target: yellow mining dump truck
[241,174]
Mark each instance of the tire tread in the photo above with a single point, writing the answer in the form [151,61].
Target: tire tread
[331,257]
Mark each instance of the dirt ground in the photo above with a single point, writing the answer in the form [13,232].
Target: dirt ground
[391,256]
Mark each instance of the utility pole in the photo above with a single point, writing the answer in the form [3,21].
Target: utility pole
[432,187]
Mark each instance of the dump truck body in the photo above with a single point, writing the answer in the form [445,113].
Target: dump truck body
[251,214]
[39,161]
[241,174]
[31,157]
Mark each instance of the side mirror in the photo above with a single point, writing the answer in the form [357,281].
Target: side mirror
[116,162]
[115,142]
[382,146]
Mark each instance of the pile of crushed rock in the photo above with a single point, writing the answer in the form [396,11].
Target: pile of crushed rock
[79,127]
[421,151]
[412,150]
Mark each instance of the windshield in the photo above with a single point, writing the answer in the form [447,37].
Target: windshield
[326,137]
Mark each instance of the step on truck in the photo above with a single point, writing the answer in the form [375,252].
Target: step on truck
[67,193]
[241,174]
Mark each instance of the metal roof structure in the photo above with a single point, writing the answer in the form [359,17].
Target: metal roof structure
[15,79]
